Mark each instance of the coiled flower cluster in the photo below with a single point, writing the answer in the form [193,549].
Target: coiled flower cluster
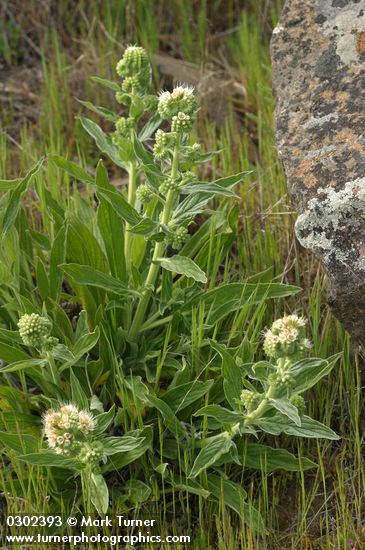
[35,330]
[135,69]
[164,142]
[182,123]
[177,237]
[286,338]
[91,453]
[144,193]
[281,378]
[67,429]
[123,127]
[180,103]
[169,184]
[250,399]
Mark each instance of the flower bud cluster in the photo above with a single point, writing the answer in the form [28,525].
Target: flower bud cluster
[91,453]
[299,403]
[181,101]
[35,330]
[286,338]
[67,428]
[281,379]
[182,123]
[135,69]
[164,142]
[123,126]
[188,177]
[177,236]
[169,184]
[144,193]
[250,399]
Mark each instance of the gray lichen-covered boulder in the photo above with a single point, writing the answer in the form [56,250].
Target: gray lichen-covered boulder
[318,54]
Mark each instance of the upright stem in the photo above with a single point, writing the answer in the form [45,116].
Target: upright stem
[254,415]
[131,200]
[158,251]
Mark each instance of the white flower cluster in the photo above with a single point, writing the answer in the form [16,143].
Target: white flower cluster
[66,429]
[286,337]
[180,103]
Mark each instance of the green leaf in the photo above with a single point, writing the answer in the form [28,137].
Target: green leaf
[230,181]
[309,428]
[102,141]
[13,421]
[307,372]
[24,443]
[99,493]
[196,202]
[103,421]
[180,397]
[150,127]
[172,423]
[16,194]
[78,394]
[189,485]
[12,353]
[145,227]
[87,275]
[71,168]
[7,185]
[287,408]
[136,107]
[233,495]
[113,237]
[83,345]
[23,364]
[183,266]
[146,158]
[229,297]
[221,414]
[211,188]
[232,375]
[268,459]
[210,454]
[120,205]
[118,461]
[113,445]
[107,83]
[48,460]
[102,111]
[57,257]
[137,491]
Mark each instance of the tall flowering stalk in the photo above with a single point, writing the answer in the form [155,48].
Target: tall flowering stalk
[135,70]
[179,108]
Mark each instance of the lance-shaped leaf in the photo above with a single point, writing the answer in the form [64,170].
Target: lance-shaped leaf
[212,451]
[87,275]
[102,141]
[183,266]
[15,196]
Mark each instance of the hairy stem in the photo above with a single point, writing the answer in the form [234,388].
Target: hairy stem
[158,251]
[259,411]
[131,200]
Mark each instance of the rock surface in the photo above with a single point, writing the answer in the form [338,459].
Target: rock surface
[318,54]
